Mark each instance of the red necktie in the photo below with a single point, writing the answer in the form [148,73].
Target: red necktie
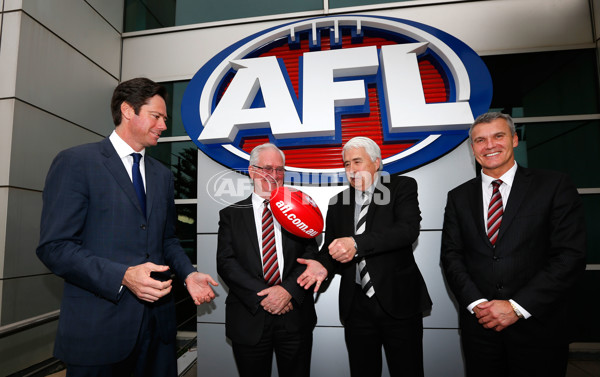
[495,211]
[269,252]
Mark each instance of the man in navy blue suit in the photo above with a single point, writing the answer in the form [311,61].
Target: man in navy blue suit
[105,239]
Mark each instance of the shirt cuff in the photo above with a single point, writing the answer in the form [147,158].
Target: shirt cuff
[474,304]
[525,313]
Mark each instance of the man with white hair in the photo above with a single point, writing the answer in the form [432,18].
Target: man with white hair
[370,229]
[266,310]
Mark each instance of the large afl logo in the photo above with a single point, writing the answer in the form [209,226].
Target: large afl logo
[310,86]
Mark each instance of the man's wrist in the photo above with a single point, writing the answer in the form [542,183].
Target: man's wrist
[185,280]
[516,310]
[355,247]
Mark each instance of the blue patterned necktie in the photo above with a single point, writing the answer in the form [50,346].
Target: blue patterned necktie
[138,183]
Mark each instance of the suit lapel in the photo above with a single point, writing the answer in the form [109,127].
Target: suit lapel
[476,209]
[247,219]
[113,163]
[348,214]
[152,184]
[517,194]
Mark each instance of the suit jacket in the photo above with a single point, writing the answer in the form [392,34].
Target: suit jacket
[92,230]
[538,256]
[239,264]
[392,227]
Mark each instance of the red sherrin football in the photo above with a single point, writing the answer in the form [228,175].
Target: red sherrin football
[296,212]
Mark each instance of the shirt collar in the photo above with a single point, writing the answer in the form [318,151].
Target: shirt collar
[358,195]
[507,177]
[257,200]
[123,149]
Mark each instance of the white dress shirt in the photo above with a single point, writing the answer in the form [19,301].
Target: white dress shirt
[487,189]
[258,207]
[124,151]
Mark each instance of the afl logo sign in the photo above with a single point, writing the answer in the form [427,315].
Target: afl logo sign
[310,86]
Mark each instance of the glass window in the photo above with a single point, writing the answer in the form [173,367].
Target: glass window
[591,203]
[152,14]
[353,3]
[545,83]
[149,14]
[570,147]
[175,96]
[182,159]
[186,229]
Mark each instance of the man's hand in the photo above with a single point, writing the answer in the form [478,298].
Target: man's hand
[315,274]
[342,249]
[277,300]
[199,286]
[495,314]
[138,280]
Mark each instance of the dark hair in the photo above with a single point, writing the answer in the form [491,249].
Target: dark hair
[135,92]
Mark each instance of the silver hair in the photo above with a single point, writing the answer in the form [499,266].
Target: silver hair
[490,117]
[370,146]
[256,152]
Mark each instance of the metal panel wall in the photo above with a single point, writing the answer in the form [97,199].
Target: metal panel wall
[489,27]
[59,62]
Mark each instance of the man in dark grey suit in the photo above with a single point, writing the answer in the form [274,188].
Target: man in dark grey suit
[369,234]
[266,310]
[513,247]
[108,223]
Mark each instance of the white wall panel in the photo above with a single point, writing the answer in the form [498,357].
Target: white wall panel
[22,234]
[60,80]
[6,130]
[501,26]
[25,349]
[30,296]
[442,355]
[215,357]
[427,254]
[13,5]
[37,139]
[11,30]
[3,219]
[596,15]
[489,27]
[453,169]
[112,10]
[179,55]
[100,42]
[207,263]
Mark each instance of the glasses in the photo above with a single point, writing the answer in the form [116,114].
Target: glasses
[269,170]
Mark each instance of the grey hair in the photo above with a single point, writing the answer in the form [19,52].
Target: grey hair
[256,152]
[492,116]
[370,146]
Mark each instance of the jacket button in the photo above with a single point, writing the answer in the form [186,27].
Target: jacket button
[143,226]
[147,256]
[496,259]
[499,286]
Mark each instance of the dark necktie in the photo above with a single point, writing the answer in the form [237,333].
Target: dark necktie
[269,251]
[138,183]
[495,211]
[365,279]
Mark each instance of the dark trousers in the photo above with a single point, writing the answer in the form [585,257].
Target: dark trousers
[369,328]
[292,351]
[150,358]
[501,354]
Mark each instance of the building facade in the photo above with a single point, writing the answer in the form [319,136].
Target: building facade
[60,61]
